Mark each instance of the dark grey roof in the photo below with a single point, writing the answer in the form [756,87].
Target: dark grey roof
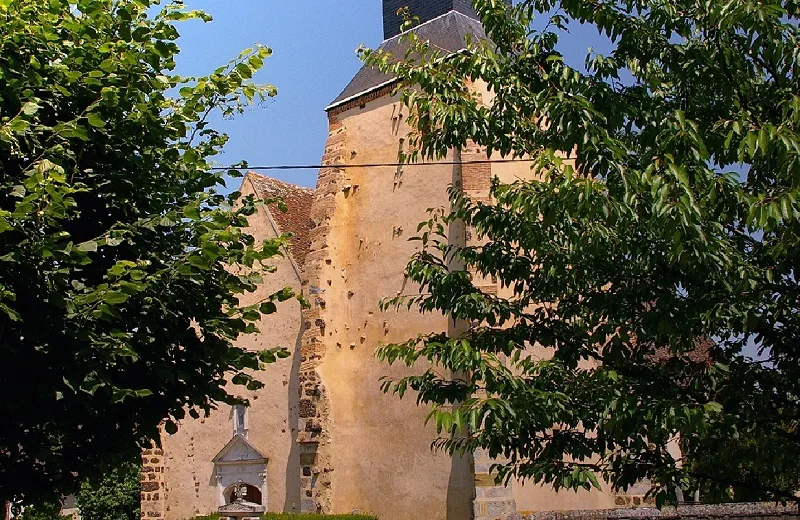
[423,9]
[448,33]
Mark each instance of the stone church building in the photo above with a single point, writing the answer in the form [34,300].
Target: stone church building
[321,437]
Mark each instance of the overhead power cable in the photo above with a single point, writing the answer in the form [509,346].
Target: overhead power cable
[370,165]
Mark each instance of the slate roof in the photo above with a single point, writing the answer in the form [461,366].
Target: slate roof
[297,218]
[448,33]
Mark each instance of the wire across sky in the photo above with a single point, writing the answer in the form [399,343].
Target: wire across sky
[368,165]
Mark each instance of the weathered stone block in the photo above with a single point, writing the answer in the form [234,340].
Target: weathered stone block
[497,492]
[307,408]
[484,480]
[316,256]
[336,139]
[483,468]
[497,508]
[307,459]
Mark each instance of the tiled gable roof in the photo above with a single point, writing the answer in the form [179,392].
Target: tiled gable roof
[447,33]
[297,218]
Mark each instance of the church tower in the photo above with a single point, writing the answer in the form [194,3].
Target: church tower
[321,436]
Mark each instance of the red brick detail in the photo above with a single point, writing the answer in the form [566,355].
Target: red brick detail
[476,177]
[476,182]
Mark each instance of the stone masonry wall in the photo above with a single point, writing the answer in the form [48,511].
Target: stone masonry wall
[153,494]
[314,420]
[743,511]
[492,500]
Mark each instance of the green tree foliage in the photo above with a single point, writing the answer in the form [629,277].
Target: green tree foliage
[111,494]
[118,304]
[115,495]
[634,279]
[48,510]
[752,457]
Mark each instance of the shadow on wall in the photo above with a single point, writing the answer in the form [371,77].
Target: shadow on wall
[461,484]
[292,499]
[460,488]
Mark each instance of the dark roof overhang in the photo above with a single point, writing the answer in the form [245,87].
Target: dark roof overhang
[449,33]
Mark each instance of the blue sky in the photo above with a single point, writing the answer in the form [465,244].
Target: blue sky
[314,43]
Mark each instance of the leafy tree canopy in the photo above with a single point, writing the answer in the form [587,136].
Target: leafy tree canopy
[114,495]
[117,306]
[655,252]
[48,510]
[110,494]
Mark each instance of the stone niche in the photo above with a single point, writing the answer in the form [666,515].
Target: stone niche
[241,474]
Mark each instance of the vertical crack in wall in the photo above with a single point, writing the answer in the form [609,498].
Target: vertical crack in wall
[314,415]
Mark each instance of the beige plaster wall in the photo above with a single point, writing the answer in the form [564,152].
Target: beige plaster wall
[380,448]
[532,497]
[191,487]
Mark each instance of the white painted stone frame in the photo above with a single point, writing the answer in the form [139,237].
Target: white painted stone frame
[252,473]
[238,462]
